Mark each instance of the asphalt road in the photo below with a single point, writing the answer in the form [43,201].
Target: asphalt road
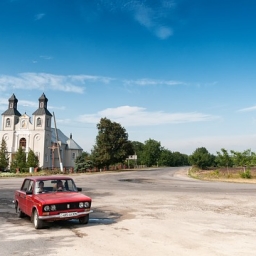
[148,212]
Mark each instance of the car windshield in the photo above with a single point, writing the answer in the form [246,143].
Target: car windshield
[55,185]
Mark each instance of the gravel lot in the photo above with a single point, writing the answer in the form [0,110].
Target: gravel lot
[160,212]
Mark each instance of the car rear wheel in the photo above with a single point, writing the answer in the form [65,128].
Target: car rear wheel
[19,212]
[84,220]
[36,221]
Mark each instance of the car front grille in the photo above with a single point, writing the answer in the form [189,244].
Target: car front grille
[68,206]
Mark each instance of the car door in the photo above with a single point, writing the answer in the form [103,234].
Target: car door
[29,198]
[21,195]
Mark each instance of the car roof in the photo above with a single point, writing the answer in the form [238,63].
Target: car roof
[38,178]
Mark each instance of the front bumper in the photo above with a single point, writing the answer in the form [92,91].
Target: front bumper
[59,217]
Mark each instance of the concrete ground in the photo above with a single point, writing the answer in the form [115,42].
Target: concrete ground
[160,212]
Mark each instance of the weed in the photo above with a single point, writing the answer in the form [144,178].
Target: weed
[246,175]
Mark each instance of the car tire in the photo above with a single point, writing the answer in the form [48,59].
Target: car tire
[19,212]
[84,220]
[36,221]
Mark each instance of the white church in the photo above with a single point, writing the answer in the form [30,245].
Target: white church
[52,147]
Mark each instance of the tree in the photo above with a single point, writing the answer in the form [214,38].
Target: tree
[166,158]
[243,159]
[151,152]
[83,162]
[201,158]
[19,161]
[4,160]
[224,159]
[32,160]
[180,159]
[138,150]
[112,144]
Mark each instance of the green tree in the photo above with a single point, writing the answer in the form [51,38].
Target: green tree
[166,158]
[180,159]
[253,158]
[83,162]
[4,160]
[19,161]
[224,159]
[112,144]
[201,158]
[138,150]
[151,152]
[32,160]
[242,159]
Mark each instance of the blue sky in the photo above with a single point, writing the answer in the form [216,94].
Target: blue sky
[181,72]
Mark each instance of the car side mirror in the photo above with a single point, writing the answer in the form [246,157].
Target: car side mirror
[29,192]
[79,189]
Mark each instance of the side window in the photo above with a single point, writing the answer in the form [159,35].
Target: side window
[26,185]
[38,121]
[8,122]
[70,185]
[73,156]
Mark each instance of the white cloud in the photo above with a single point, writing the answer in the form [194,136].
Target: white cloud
[46,57]
[163,32]
[73,83]
[137,116]
[39,16]
[149,14]
[39,81]
[253,108]
[3,104]
[147,81]
[84,78]
[26,103]
[212,144]
[64,121]
[151,18]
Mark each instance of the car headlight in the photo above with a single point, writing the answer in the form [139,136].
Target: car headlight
[86,205]
[81,205]
[46,208]
[53,207]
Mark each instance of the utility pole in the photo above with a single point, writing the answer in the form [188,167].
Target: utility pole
[58,146]
[53,147]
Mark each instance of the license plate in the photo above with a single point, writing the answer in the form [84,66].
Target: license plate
[68,214]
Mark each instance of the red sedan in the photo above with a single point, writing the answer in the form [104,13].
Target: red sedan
[51,198]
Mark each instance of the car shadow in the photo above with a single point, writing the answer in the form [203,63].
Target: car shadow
[98,217]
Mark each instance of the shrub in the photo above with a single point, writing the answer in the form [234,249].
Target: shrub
[246,175]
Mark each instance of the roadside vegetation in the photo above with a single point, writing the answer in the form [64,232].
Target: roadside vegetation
[114,151]
[225,166]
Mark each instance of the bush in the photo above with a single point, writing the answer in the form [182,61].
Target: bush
[246,175]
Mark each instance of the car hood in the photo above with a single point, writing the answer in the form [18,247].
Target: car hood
[62,197]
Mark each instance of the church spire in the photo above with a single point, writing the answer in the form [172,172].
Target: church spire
[12,108]
[42,109]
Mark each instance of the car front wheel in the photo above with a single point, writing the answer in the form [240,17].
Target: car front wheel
[19,212]
[84,220]
[36,221]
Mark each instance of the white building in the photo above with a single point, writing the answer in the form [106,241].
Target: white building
[38,135]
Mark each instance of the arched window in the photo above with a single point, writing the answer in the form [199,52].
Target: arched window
[38,121]
[8,122]
[23,143]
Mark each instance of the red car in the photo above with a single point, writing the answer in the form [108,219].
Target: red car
[51,198]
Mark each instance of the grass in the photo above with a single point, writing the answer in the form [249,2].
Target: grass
[223,174]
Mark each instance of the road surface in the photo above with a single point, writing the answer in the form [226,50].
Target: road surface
[151,212]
